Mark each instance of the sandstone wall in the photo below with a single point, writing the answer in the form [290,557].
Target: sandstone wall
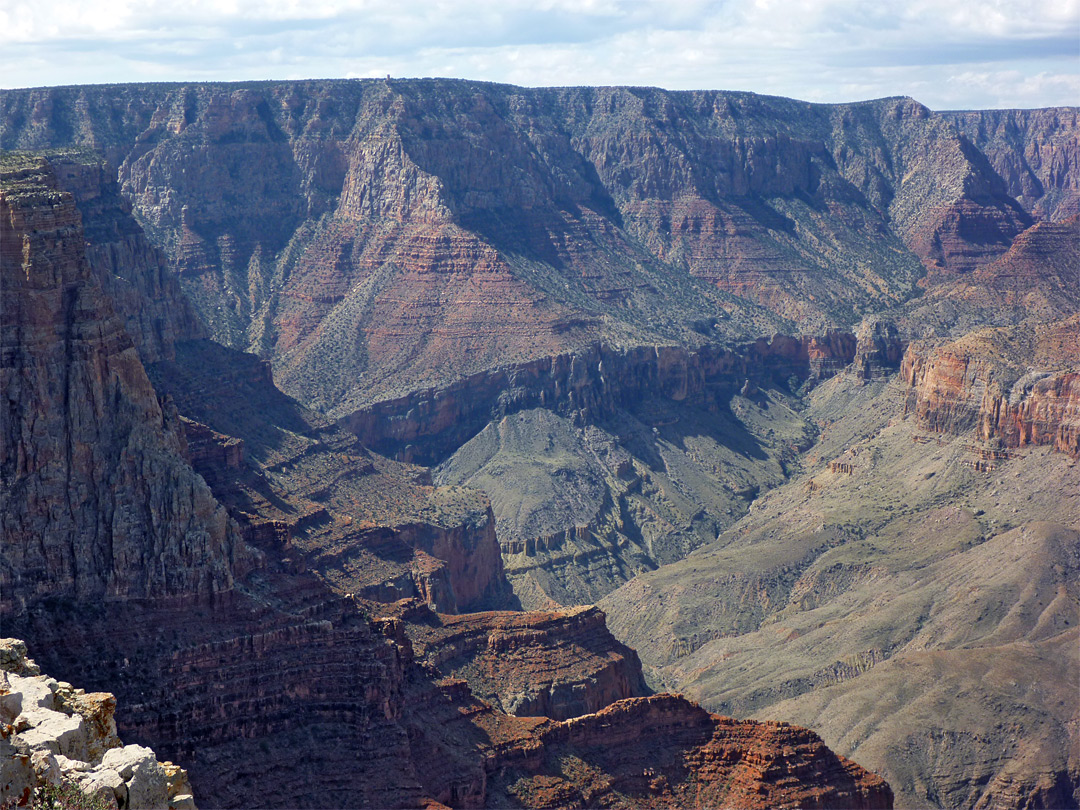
[963,386]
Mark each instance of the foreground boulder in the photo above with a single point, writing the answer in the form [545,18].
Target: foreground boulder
[57,740]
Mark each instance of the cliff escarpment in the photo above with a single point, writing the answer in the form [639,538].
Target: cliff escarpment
[1017,386]
[98,501]
[370,526]
[551,664]
[132,271]
[556,297]
[1034,151]
[239,662]
[121,566]
[604,758]
[375,238]
[590,386]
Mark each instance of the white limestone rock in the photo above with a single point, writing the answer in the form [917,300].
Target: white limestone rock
[123,760]
[148,787]
[93,784]
[51,732]
[59,733]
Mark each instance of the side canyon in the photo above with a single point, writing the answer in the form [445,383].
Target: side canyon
[344,419]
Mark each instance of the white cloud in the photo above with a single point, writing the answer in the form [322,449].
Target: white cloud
[969,53]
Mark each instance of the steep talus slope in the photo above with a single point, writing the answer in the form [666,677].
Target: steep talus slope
[1037,280]
[891,597]
[579,510]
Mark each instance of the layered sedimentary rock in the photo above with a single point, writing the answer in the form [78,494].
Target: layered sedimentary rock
[59,740]
[270,688]
[371,527]
[1034,151]
[1018,386]
[132,272]
[98,501]
[1036,280]
[591,385]
[376,228]
[606,759]
[121,566]
[579,509]
[565,281]
[551,664]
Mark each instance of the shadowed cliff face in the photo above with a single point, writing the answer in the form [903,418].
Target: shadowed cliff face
[271,688]
[133,273]
[407,234]
[98,502]
[1035,151]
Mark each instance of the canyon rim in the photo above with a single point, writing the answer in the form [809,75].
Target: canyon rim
[404,443]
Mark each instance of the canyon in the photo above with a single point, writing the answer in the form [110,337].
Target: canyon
[359,411]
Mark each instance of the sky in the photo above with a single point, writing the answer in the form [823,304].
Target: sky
[948,54]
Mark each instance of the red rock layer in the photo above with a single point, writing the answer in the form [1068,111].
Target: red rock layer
[120,566]
[1005,385]
[963,235]
[379,238]
[611,757]
[557,664]
[428,425]
[1038,277]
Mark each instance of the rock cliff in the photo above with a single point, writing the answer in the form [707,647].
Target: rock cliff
[408,234]
[59,741]
[1034,151]
[97,499]
[1018,386]
[371,527]
[133,273]
[557,665]
[119,563]
[559,286]
[605,759]
[223,649]
[1036,280]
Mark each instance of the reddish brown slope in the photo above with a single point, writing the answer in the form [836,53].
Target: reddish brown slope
[378,238]
[610,759]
